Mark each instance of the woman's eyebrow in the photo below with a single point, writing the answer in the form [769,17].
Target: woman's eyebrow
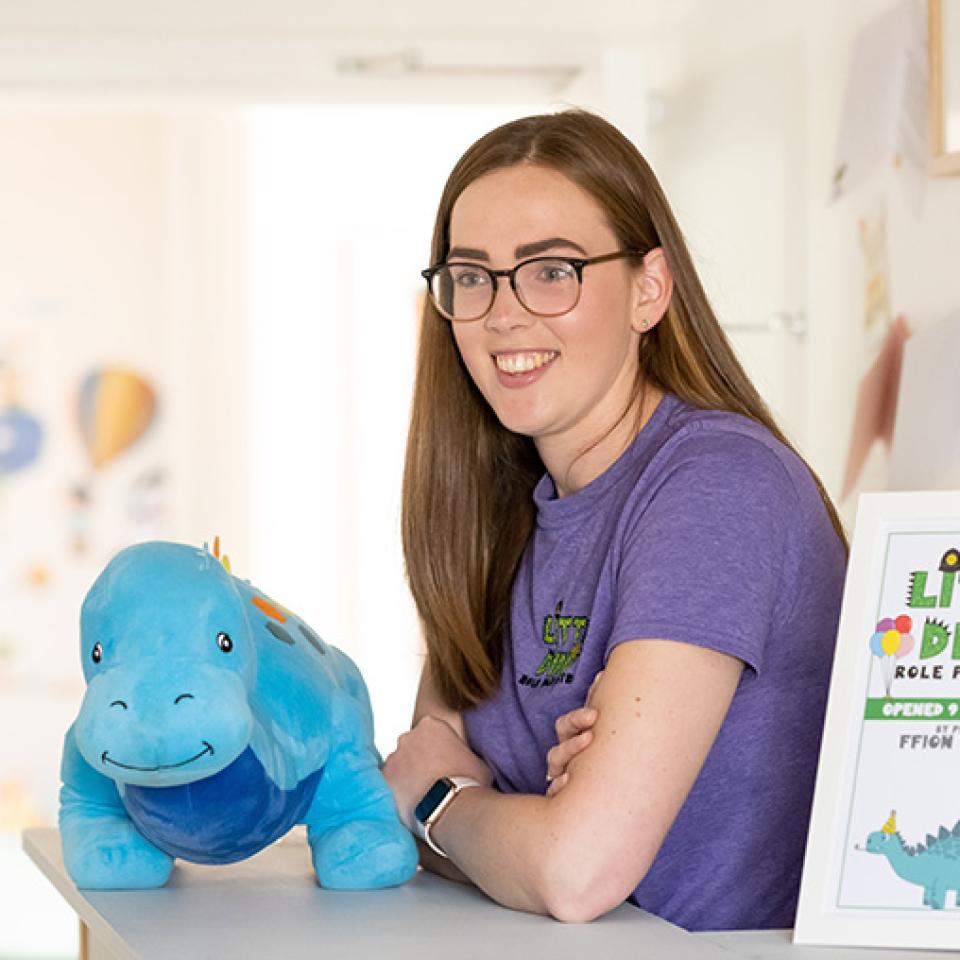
[524,250]
[468,252]
[540,246]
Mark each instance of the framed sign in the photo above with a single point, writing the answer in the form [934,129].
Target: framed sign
[883,854]
[944,78]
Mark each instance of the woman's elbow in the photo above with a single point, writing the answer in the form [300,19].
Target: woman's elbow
[568,909]
[575,891]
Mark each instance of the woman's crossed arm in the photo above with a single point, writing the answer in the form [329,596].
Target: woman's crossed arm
[581,851]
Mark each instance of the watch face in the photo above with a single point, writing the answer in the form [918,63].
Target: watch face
[431,799]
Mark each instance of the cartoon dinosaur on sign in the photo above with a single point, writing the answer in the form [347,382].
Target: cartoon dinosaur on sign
[934,866]
[215,720]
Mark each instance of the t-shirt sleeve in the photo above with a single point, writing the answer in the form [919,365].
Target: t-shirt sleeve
[706,554]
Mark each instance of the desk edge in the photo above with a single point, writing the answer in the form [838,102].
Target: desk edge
[57,875]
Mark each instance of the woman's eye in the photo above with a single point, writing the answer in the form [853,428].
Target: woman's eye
[554,273]
[470,278]
[97,653]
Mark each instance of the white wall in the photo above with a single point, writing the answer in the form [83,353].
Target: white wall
[120,243]
[342,202]
[728,150]
[924,281]
[740,120]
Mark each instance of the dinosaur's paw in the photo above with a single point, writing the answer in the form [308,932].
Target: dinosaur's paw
[112,862]
[935,898]
[364,854]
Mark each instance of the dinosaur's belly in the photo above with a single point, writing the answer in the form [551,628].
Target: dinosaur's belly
[222,818]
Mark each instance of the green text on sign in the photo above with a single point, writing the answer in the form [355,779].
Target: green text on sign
[880,708]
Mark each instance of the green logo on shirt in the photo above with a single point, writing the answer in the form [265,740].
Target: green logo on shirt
[564,638]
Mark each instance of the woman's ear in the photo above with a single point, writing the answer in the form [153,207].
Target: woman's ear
[653,290]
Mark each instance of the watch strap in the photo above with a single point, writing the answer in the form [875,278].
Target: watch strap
[423,827]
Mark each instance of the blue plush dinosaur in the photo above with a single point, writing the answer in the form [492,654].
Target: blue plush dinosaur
[934,866]
[215,720]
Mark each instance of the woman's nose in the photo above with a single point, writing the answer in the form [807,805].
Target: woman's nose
[507,312]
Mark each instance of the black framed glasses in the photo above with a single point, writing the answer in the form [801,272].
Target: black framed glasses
[545,286]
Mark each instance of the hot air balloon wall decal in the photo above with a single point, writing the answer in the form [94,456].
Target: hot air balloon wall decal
[116,408]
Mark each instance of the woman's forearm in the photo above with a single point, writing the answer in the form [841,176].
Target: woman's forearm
[441,866]
[526,851]
[503,843]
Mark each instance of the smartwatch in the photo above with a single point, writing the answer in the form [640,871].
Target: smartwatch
[435,801]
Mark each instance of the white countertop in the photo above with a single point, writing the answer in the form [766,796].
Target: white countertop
[270,906]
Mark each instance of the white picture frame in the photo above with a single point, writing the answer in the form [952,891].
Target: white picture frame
[891,736]
[943,38]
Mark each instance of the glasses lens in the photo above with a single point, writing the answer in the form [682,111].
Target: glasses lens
[548,287]
[462,291]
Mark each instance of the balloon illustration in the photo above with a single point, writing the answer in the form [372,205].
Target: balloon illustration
[21,437]
[891,641]
[116,408]
[950,561]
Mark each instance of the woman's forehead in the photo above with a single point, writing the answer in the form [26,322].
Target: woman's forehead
[520,205]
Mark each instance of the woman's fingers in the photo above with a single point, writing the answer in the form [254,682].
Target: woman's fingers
[559,757]
[576,721]
[557,785]
[593,688]
[574,733]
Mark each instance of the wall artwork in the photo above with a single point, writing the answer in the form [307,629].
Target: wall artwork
[82,471]
[876,409]
[115,410]
[884,117]
[883,854]
[872,230]
[21,432]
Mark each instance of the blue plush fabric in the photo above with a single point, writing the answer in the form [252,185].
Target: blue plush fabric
[229,816]
[214,720]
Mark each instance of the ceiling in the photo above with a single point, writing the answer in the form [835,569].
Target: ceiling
[358,50]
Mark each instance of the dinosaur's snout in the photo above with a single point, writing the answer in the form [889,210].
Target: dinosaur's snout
[177,699]
[163,727]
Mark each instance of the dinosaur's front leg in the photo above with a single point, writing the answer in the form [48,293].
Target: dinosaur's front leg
[937,894]
[102,849]
[355,834]
[108,853]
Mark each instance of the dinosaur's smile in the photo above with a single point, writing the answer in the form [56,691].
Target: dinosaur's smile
[207,748]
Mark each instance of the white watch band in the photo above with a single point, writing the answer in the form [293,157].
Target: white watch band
[424,827]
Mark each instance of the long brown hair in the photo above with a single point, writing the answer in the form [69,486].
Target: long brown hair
[468,481]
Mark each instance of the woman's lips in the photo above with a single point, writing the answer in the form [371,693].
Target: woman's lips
[520,368]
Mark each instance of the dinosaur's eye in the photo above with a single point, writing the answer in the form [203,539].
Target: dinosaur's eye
[97,653]
[224,642]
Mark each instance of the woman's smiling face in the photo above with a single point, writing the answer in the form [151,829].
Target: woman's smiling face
[560,380]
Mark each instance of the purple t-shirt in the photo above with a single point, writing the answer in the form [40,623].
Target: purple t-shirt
[706,530]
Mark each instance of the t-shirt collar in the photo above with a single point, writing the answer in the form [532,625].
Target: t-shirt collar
[553,510]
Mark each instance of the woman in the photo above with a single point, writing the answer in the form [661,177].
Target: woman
[593,485]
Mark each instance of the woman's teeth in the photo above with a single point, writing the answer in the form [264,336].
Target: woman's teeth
[523,362]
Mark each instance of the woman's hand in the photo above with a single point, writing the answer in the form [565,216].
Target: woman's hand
[431,750]
[574,733]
